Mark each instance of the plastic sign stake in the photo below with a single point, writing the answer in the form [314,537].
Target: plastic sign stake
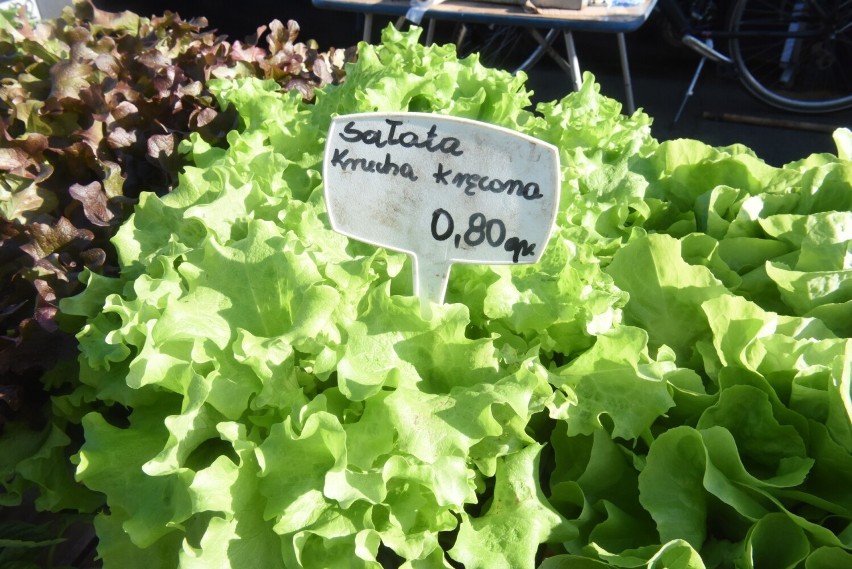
[443,189]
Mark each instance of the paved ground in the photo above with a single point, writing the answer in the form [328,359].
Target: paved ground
[661,74]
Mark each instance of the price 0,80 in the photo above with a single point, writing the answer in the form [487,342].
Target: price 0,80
[480,230]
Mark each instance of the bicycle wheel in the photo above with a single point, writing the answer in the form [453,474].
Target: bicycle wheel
[794,54]
[504,47]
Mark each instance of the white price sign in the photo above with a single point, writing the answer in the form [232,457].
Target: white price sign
[443,189]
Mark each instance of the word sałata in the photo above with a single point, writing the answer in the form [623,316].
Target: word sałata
[431,142]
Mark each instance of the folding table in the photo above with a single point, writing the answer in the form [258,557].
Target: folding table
[611,16]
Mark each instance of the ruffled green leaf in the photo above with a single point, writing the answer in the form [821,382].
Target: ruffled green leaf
[518,519]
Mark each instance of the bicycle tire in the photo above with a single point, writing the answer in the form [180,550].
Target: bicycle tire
[795,55]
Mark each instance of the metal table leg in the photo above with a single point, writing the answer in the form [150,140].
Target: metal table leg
[368,27]
[430,32]
[573,61]
[625,72]
[571,66]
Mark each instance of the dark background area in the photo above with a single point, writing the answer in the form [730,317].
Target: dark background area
[661,72]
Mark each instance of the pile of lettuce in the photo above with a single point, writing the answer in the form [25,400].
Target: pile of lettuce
[668,387]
